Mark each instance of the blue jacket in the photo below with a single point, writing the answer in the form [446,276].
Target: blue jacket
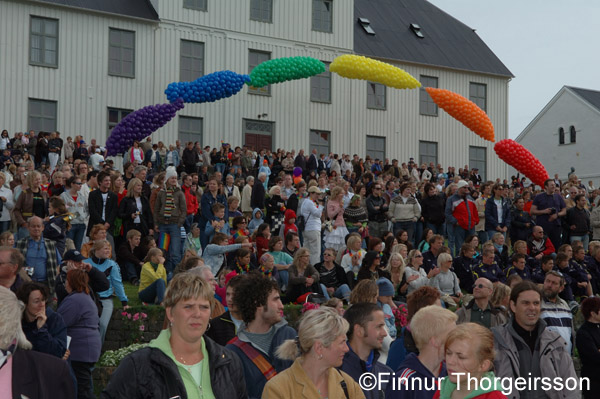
[413,369]
[81,317]
[206,203]
[492,272]
[111,270]
[491,214]
[176,159]
[51,338]
[254,223]
[255,380]
[354,366]
[214,255]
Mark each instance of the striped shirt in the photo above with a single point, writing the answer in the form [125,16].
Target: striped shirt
[559,318]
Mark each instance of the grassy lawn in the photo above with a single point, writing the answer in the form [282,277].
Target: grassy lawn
[132,293]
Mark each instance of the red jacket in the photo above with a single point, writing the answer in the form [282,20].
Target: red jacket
[191,200]
[458,210]
[289,214]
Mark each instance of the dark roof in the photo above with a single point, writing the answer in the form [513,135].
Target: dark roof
[448,43]
[128,8]
[591,96]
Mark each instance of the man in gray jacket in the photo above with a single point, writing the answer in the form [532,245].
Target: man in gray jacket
[525,348]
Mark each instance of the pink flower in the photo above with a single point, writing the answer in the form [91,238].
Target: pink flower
[124,314]
[144,315]
[129,316]
[136,317]
[142,328]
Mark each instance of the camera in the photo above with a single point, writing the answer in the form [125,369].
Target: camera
[552,210]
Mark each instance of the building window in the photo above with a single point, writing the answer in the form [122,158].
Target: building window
[322,15]
[199,5]
[573,134]
[561,135]
[478,159]
[428,152]
[426,104]
[375,95]
[255,58]
[320,86]
[258,135]
[43,42]
[321,140]
[376,147]
[121,53]
[478,94]
[191,60]
[190,129]
[261,10]
[42,115]
[114,117]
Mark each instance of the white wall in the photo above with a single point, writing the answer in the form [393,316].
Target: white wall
[541,137]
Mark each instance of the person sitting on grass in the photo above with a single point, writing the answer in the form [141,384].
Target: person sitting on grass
[153,278]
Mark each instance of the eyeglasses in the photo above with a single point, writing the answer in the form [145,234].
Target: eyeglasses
[480,286]
[418,256]
[327,254]
[78,183]
[376,188]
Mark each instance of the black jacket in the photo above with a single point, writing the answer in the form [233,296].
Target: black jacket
[376,215]
[518,229]
[98,283]
[46,376]
[95,205]
[433,209]
[257,199]
[588,345]
[222,329]
[127,207]
[149,373]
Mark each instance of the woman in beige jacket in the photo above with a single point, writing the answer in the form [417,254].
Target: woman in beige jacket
[318,350]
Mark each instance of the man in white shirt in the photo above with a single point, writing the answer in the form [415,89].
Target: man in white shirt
[97,160]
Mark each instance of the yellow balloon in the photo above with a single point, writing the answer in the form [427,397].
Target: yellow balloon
[359,67]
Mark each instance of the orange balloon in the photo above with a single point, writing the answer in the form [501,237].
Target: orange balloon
[464,111]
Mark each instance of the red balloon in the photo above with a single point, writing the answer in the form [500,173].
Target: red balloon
[522,160]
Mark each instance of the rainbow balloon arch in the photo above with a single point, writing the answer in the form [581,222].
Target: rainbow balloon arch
[223,84]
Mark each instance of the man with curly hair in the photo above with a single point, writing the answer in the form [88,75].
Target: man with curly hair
[258,300]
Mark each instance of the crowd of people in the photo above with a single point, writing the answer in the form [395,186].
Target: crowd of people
[223,237]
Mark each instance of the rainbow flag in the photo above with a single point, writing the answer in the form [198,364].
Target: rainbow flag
[164,239]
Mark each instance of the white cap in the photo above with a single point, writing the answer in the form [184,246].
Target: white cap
[461,184]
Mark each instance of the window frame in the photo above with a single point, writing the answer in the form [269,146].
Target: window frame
[190,132]
[475,96]
[123,112]
[572,134]
[317,24]
[474,162]
[319,78]
[121,47]
[423,155]
[373,96]
[318,146]
[192,58]
[561,136]
[42,117]
[259,91]
[262,10]
[374,152]
[193,7]
[43,37]
[425,99]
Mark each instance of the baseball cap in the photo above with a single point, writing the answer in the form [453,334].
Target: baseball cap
[73,255]
[462,184]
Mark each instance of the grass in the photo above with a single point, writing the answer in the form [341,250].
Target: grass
[132,294]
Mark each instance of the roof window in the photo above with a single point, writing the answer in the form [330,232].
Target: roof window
[417,30]
[366,25]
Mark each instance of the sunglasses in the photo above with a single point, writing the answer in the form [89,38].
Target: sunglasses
[480,286]
[418,256]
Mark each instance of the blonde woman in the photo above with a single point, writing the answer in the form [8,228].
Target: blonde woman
[317,352]
[395,267]
[352,259]
[415,274]
[31,202]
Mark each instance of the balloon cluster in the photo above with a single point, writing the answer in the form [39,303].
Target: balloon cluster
[140,124]
[464,111]
[284,69]
[522,160]
[208,88]
[297,172]
[359,67]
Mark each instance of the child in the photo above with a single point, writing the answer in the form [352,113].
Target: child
[153,278]
[267,267]
[56,226]
[233,204]
[192,241]
[242,261]
[282,260]
[218,225]
[289,222]
[266,170]
[500,251]
[262,235]
[257,220]
[386,292]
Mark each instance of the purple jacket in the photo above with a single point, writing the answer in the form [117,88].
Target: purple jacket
[81,317]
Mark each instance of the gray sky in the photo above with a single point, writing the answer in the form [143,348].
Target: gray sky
[546,44]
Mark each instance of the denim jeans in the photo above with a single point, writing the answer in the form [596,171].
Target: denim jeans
[342,292]
[220,167]
[409,227]
[4,226]
[128,271]
[187,224]
[76,233]
[436,228]
[585,240]
[452,239]
[154,293]
[107,310]
[173,255]
[459,237]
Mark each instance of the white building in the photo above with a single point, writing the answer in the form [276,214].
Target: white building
[565,134]
[80,69]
